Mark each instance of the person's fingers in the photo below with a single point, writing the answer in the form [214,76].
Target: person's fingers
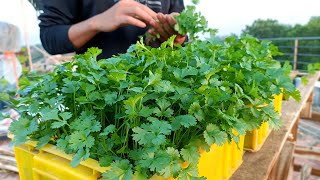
[140,14]
[152,32]
[171,20]
[169,28]
[133,21]
[162,23]
[149,11]
[155,34]
[174,14]
[180,39]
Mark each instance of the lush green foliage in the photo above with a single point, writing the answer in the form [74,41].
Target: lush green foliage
[191,22]
[307,48]
[312,68]
[147,111]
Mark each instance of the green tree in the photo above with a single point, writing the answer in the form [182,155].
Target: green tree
[307,48]
[267,28]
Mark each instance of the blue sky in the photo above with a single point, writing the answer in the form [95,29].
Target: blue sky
[228,16]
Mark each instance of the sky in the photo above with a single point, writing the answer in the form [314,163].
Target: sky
[228,16]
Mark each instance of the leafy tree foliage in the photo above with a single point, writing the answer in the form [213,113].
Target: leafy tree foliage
[307,48]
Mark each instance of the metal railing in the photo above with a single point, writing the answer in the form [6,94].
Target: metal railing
[298,50]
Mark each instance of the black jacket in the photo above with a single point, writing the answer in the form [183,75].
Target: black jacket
[59,15]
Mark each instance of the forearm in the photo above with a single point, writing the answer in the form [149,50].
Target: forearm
[80,33]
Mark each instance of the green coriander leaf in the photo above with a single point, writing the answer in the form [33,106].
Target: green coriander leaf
[141,176]
[153,133]
[34,108]
[136,89]
[88,87]
[44,140]
[190,154]
[120,170]
[63,143]
[58,124]
[159,162]
[197,178]
[111,98]
[70,86]
[94,96]
[145,111]
[105,160]
[49,114]
[195,1]
[195,109]
[21,129]
[154,78]
[275,122]
[66,115]
[86,123]
[79,140]
[182,73]
[183,120]
[77,158]
[117,75]
[213,135]
[108,130]
[163,86]
[4,97]
[304,80]
[174,167]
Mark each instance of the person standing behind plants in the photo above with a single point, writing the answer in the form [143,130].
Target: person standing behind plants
[111,25]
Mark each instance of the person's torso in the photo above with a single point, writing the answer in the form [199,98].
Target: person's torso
[119,40]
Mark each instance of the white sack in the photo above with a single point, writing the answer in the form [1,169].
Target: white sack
[10,38]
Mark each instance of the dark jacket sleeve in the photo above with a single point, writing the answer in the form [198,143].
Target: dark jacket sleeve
[176,6]
[55,21]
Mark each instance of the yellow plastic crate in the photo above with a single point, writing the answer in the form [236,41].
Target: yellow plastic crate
[254,139]
[278,102]
[221,161]
[51,163]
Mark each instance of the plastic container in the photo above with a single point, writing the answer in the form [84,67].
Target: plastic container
[221,161]
[277,102]
[255,139]
[51,163]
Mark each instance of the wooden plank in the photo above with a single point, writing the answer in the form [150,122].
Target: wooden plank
[307,109]
[315,172]
[306,112]
[290,174]
[259,165]
[314,117]
[293,74]
[305,172]
[307,151]
[295,57]
[294,130]
[281,170]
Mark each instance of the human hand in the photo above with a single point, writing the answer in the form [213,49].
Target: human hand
[164,26]
[125,12]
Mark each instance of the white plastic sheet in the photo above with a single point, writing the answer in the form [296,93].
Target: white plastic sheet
[7,69]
